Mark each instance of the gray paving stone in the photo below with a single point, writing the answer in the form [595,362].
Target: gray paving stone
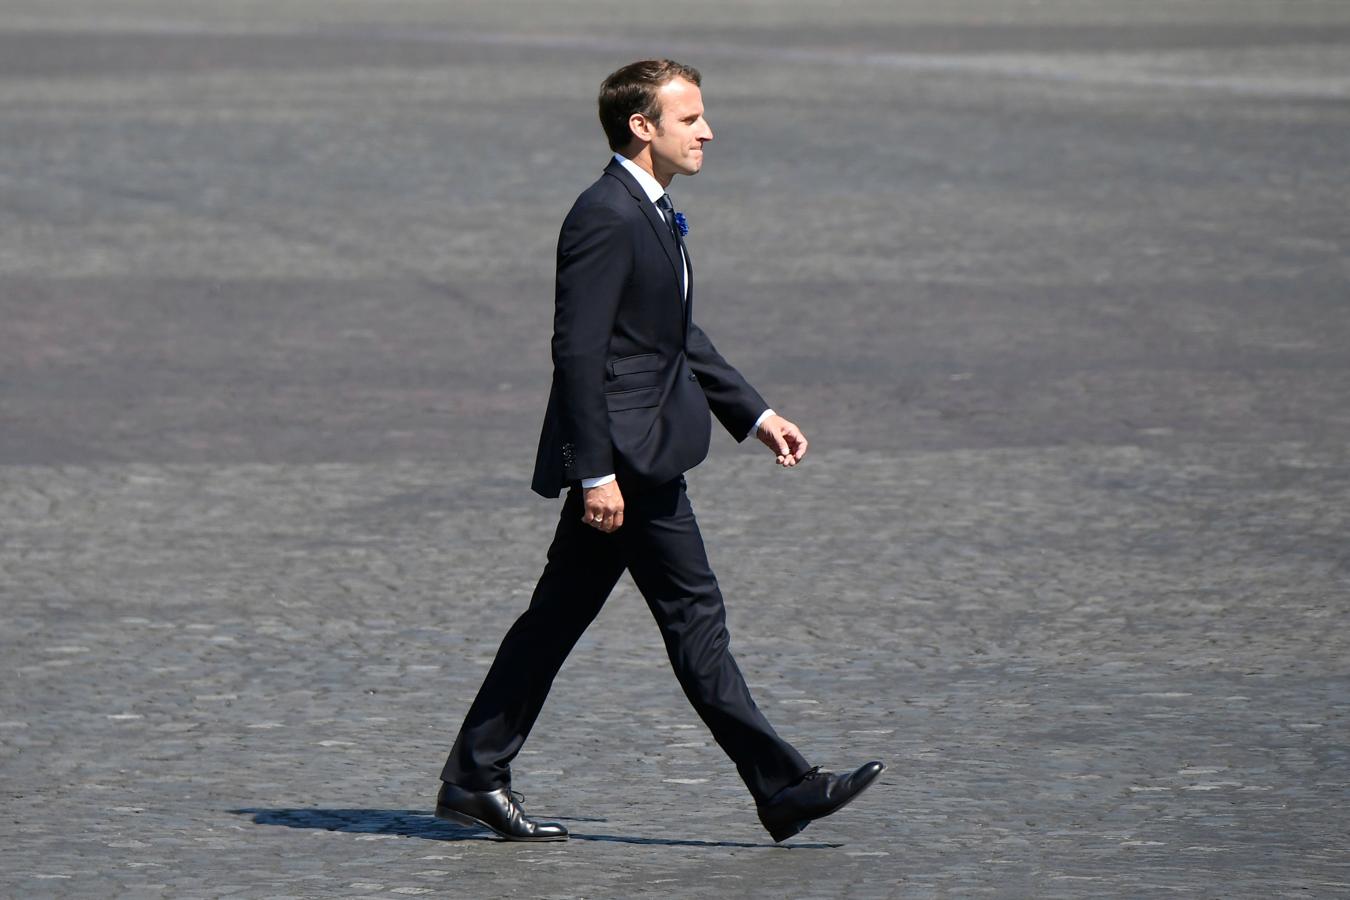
[1057,290]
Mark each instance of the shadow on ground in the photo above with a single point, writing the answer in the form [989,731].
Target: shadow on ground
[414,823]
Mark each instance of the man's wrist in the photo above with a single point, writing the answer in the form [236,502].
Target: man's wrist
[760,421]
[596,482]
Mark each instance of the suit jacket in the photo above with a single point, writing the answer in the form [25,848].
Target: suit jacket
[633,377]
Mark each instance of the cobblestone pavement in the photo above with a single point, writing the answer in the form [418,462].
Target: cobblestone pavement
[1057,290]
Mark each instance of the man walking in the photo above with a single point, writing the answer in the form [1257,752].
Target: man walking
[633,382]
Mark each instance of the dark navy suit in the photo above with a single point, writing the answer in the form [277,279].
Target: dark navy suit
[634,380]
[633,376]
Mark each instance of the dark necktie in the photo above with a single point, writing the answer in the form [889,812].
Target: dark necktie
[668,212]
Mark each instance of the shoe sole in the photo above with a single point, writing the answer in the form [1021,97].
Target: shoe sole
[459,818]
[788,831]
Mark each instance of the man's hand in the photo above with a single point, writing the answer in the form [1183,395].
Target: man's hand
[784,439]
[604,507]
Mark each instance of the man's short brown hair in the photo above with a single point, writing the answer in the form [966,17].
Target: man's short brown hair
[632,89]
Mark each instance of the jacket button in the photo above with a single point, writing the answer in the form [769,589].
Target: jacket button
[693,377]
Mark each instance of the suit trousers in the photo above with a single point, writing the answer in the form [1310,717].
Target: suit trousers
[660,544]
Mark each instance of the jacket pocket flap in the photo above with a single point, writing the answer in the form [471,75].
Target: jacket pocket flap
[643,362]
[634,399]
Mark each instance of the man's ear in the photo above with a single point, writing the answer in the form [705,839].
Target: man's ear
[642,127]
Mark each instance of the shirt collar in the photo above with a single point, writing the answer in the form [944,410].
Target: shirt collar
[650,185]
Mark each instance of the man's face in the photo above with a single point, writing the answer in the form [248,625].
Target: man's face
[677,143]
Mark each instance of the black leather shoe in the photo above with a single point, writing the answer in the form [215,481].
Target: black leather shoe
[497,811]
[814,796]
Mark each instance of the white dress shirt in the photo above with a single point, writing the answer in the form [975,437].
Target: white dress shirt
[655,192]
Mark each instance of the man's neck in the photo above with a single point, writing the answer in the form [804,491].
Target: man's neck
[643,160]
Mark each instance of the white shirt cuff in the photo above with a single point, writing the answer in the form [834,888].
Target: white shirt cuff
[596,482]
[760,421]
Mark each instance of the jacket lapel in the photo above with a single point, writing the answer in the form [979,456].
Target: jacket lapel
[688,288]
[654,219]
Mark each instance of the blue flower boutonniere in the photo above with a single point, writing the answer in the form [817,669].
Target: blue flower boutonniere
[682,223]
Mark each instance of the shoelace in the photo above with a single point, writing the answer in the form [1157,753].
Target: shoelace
[811,773]
[517,796]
